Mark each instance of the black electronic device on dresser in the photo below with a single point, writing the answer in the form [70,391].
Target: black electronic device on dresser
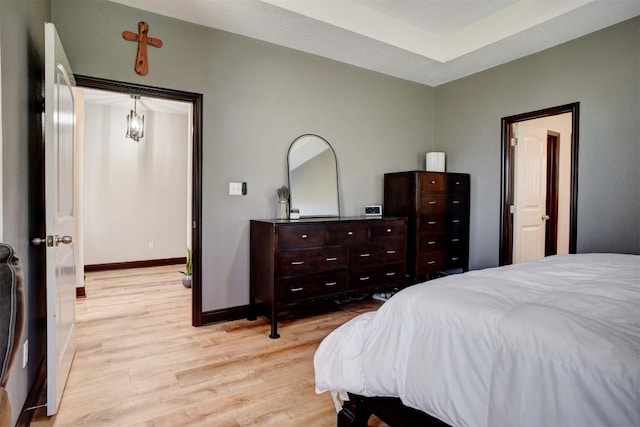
[437,207]
[295,262]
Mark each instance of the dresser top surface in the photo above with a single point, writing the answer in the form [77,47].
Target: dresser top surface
[326,220]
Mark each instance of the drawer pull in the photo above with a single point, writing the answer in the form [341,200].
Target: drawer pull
[455,239]
[388,230]
[432,202]
[432,222]
[331,283]
[431,262]
[455,258]
[431,242]
[350,233]
[456,202]
[332,258]
[457,182]
[297,289]
[391,273]
[365,255]
[297,262]
[433,182]
[391,252]
[455,221]
[304,236]
[365,278]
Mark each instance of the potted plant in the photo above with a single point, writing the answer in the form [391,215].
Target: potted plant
[186,274]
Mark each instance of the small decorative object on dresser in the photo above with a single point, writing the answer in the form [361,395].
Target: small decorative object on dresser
[437,207]
[310,260]
[283,202]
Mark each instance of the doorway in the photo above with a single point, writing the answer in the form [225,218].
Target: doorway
[510,178]
[195,100]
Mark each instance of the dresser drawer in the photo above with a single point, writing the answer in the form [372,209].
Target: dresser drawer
[434,202]
[390,251]
[301,236]
[430,262]
[309,261]
[430,242]
[432,223]
[313,286]
[455,259]
[371,277]
[387,228]
[348,233]
[433,181]
[458,183]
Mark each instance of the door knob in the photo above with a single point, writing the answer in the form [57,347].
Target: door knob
[546,217]
[64,239]
[42,240]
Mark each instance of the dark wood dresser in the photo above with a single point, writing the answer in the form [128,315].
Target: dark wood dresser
[296,262]
[437,207]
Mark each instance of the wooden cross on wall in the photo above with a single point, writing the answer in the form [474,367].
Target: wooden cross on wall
[142,61]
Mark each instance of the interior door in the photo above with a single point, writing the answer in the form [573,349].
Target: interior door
[531,193]
[59,214]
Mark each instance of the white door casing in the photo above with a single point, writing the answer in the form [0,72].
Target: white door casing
[531,193]
[59,217]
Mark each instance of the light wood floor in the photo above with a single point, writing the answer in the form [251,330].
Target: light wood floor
[140,362]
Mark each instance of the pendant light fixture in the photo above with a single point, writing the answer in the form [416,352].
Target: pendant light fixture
[135,122]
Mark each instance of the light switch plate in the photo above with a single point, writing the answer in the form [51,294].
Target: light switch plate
[235,189]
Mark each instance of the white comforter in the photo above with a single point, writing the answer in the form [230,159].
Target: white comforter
[546,343]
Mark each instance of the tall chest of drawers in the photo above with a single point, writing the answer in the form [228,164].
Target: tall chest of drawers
[304,261]
[437,207]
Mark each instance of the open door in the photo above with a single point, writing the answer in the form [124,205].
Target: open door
[531,193]
[59,217]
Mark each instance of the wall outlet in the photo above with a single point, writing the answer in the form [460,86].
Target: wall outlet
[152,245]
[25,353]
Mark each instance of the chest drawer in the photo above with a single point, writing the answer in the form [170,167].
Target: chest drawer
[437,203]
[458,183]
[300,288]
[387,228]
[433,181]
[310,261]
[301,236]
[347,233]
[430,262]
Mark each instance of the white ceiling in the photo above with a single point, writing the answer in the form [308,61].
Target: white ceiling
[425,41]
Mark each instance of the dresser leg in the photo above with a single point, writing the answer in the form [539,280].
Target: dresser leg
[251,314]
[274,323]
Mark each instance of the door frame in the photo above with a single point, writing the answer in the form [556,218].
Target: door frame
[507,181]
[553,178]
[196,100]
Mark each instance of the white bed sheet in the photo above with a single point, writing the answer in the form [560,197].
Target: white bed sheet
[546,343]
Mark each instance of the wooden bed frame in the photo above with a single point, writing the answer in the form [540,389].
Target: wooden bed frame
[358,409]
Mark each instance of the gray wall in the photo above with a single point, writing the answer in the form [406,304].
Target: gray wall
[602,72]
[257,99]
[22,48]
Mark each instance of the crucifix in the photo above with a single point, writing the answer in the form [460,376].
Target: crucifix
[142,62]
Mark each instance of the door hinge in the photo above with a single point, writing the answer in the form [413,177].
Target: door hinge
[512,209]
[514,142]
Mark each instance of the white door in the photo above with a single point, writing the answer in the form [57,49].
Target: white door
[531,193]
[59,199]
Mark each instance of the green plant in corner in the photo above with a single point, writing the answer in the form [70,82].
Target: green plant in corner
[186,274]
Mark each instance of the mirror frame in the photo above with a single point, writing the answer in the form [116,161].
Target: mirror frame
[335,158]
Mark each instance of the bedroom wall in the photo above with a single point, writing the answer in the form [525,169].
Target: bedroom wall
[257,99]
[120,205]
[601,72]
[22,49]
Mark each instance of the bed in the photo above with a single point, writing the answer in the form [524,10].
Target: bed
[550,342]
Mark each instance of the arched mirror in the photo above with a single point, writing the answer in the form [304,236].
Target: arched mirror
[313,177]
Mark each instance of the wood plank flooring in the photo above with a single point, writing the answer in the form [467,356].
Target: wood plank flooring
[139,362]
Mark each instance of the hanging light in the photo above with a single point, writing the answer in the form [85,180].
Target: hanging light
[135,122]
